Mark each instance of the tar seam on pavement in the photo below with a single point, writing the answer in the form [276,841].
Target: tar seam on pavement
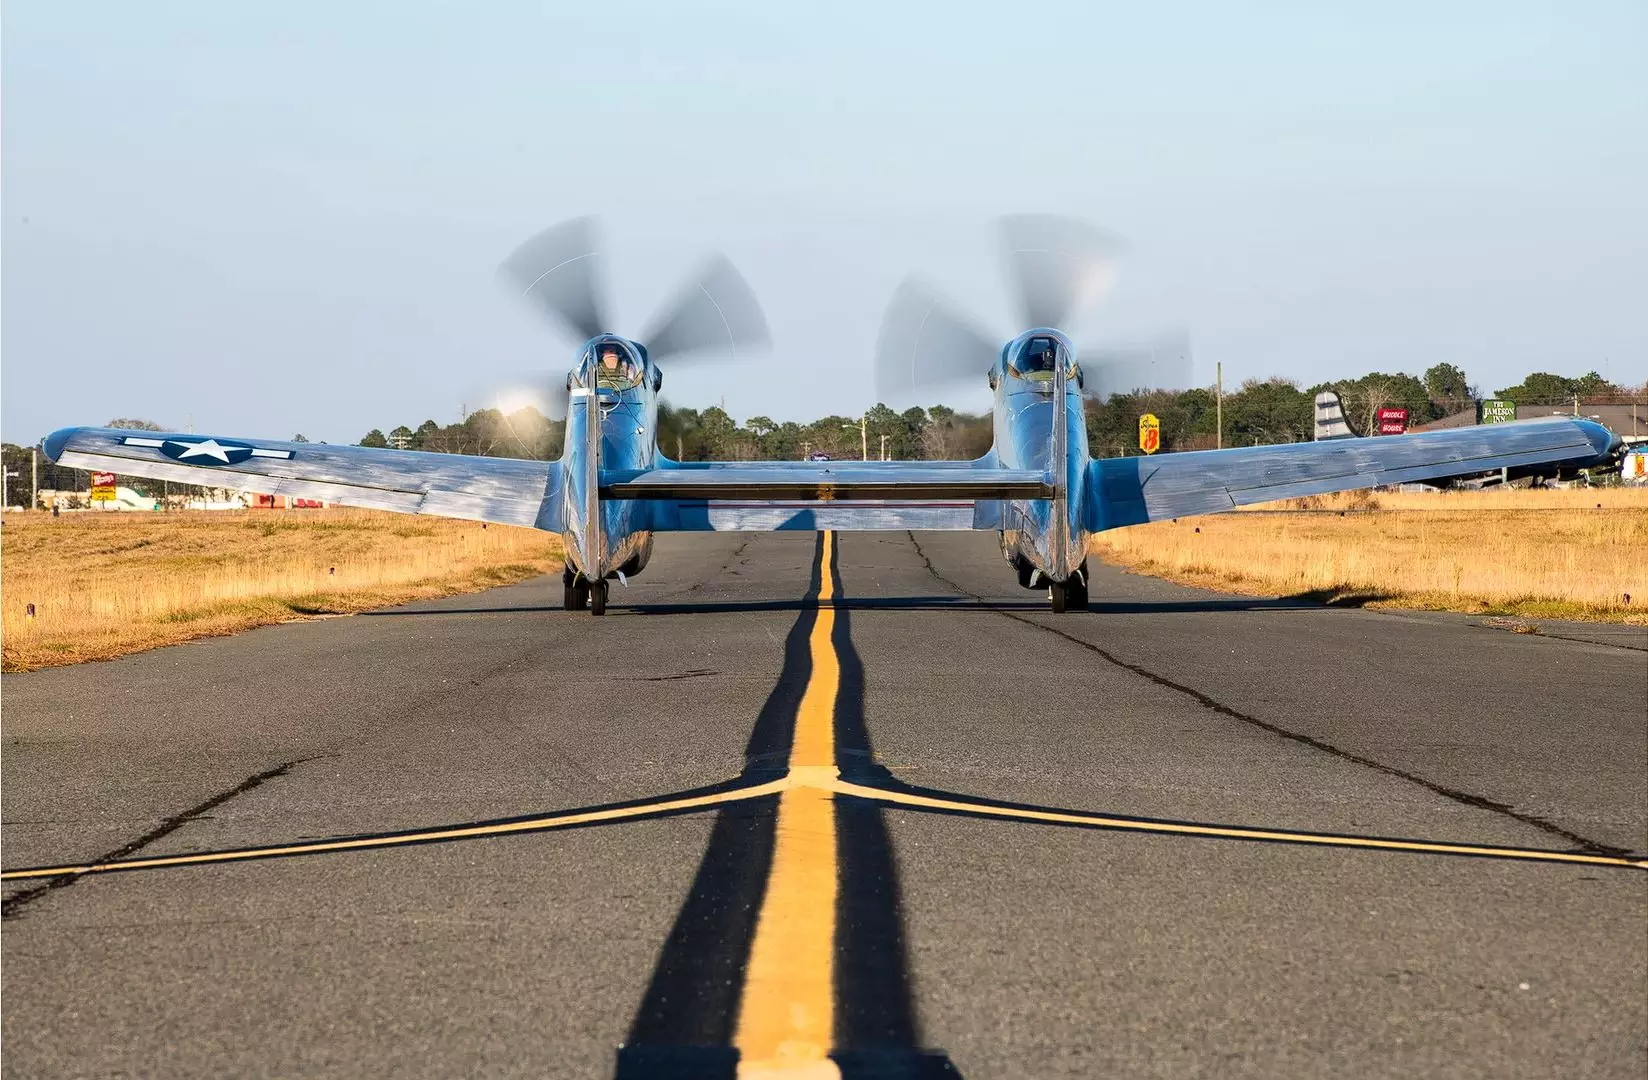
[1581,843]
[13,905]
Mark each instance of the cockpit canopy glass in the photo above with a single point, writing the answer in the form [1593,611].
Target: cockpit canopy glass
[1039,358]
[610,365]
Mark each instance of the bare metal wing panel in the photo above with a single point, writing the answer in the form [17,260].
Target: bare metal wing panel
[863,516]
[1132,490]
[503,490]
[801,481]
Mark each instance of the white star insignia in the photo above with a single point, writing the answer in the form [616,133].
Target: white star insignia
[210,448]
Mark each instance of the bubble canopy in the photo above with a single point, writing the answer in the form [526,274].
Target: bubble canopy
[610,363]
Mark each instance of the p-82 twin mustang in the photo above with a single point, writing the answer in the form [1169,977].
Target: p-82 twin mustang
[612,488]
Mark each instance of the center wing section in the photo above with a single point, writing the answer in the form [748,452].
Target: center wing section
[808,482]
[776,495]
[504,490]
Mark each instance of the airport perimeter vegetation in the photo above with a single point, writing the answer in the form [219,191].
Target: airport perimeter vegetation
[95,586]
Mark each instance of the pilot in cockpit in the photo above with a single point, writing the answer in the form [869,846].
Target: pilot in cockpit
[1039,358]
[614,370]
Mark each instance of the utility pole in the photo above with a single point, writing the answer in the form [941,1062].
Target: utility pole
[884,448]
[864,436]
[34,472]
[1219,403]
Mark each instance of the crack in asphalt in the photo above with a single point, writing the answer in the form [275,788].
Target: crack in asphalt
[14,904]
[1581,843]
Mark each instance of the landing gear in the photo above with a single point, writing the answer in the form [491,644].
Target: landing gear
[574,590]
[597,597]
[1069,595]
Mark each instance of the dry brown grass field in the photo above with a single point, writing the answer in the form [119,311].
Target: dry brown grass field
[107,584]
[1573,553]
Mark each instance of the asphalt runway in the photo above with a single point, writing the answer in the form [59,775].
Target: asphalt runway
[802,804]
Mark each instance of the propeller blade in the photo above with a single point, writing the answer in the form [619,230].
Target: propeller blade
[923,343]
[1058,266]
[1164,364]
[715,311]
[558,270]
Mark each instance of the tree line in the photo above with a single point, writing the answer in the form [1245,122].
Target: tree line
[1260,411]
[1272,410]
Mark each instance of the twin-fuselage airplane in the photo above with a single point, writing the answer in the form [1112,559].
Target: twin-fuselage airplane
[613,489]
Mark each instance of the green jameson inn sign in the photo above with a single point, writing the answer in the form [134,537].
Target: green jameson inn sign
[1495,411]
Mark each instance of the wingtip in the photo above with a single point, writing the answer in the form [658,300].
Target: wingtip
[53,445]
[1603,440]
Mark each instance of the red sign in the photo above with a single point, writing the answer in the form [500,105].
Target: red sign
[1393,421]
[102,479]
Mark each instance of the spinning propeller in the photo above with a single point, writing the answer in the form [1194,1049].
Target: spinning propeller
[1058,267]
[558,271]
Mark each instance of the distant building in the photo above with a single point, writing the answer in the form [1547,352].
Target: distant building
[1631,421]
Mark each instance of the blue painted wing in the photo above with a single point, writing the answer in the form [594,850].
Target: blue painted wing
[1129,491]
[504,490]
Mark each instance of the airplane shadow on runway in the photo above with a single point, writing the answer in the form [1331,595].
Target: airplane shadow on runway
[687,1021]
[949,603]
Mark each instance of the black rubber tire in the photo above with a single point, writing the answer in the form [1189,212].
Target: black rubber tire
[1075,594]
[597,598]
[1056,592]
[1027,574]
[575,596]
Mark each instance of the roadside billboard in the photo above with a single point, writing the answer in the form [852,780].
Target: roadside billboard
[1393,421]
[1495,411]
[103,487]
[1150,433]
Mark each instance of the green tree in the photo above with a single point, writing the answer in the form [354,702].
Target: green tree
[300,437]
[374,438]
[401,437]
[1447,387]
[427,435]
[134,425]
[1540,388]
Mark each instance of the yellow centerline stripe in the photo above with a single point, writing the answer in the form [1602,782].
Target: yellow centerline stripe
[786,1017]
[537,824]
[1065,817]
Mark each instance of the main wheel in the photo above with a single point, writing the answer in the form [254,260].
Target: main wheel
[575,595]
[1056,592]
[597,598]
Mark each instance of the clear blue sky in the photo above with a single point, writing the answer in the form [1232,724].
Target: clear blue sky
[284,217]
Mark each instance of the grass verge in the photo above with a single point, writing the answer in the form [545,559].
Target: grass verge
[105,585]
[1572,554]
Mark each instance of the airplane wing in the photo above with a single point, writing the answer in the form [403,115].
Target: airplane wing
[835,482]
[719,496]
[1133,490]
[504,490]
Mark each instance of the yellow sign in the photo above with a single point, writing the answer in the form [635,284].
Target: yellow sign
[1150,433]
[103,494]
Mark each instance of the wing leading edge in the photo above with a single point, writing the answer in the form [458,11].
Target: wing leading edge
[503,490]
[1134,490]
